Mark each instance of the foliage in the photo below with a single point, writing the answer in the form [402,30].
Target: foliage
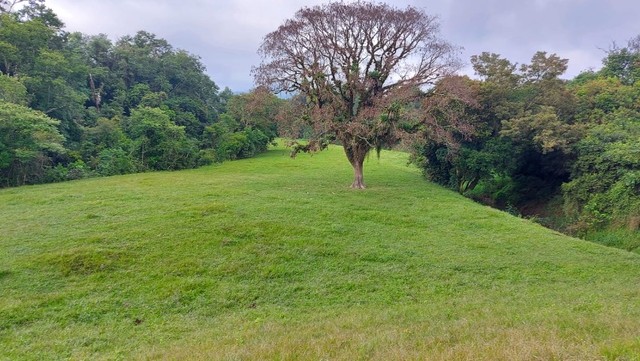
[157,143]
[56,87]
[257,109]
[604,191]
[463,170]
[28,141]
[535,132]
[605,185]
[108,148]
[12,90]
[247,127]
[21,42]
[114,161]
[525,131]
[623,63]
[243,144]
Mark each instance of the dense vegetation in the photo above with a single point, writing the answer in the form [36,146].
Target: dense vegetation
[75,105]
[270,259]
[566,152]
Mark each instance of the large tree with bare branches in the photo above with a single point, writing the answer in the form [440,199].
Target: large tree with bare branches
[358,64]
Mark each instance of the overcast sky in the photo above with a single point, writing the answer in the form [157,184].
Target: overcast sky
[226,34]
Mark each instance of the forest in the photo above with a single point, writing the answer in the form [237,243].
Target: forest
[76,105]
[565,152]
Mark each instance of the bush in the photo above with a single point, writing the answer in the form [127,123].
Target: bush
[157,143]
[60,173]
[115,161]
[243,144]
[605,189]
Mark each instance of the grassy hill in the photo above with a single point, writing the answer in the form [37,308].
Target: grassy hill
[276,258]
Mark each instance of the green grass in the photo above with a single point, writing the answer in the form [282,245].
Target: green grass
[273,258]
[619,237]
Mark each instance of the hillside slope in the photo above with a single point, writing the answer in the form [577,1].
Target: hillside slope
[276,258]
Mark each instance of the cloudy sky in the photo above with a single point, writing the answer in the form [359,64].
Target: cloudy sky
[227,33]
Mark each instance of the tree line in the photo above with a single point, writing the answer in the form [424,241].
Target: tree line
[74,105]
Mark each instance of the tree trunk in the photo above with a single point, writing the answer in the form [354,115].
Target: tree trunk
[358,181]
[356,154]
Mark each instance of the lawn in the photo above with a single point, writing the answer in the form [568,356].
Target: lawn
[274,258]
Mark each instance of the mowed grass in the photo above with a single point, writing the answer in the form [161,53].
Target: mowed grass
[275,258]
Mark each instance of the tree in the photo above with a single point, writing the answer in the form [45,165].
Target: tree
[357,64]
[36,10]
[623,63]
[28,140]
[492,68]
[604,189]
[9,6]
[605,185]
[525,130]
[256,109]
[21,43]
[56,85]
[12,90]
[159,144]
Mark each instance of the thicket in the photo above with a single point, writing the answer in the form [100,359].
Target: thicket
[566,152]
[74,105]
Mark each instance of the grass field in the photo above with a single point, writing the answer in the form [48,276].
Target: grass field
[273,258]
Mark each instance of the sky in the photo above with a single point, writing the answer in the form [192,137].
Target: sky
[227,34]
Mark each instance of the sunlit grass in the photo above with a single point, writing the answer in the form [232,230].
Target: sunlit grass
[276,258]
